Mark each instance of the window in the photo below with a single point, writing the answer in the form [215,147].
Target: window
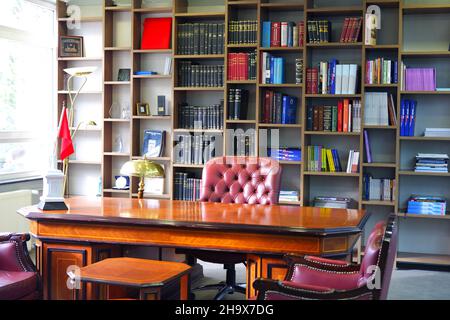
[27,113]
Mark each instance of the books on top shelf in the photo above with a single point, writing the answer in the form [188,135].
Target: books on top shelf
[408,110]
[195,75]
[378,189]
[194,149]
[201,117]
[272,69]
[288,196]
[343,117]
[282,34]
[237,104]
[431,205]
[431,162]
[185,188]
[241,66]
[417,79]
[319,31]
[381,71]
[242,32]
[333,202]
[285,154]
[279,108]
[153,143]
[437,132]
[332,78]
[200,38]
[351,29]
[379,109]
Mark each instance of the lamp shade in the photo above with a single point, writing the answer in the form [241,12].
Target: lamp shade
[142,168]
[80,71]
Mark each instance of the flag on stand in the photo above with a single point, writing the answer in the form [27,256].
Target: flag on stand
[66,139]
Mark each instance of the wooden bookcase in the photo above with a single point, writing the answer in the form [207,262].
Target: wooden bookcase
[398,40]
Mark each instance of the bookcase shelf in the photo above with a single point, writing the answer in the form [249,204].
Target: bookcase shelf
[279,125]
[378,203]
[281,49]
[199,88]
[383,85]
[423,216]
[119,9]
[199,56]
[282,85]
[336,10]
[332,133]
[425,92]
[283,6]
[335,45]
[426,8]
[336,96]
[425,54]
[153,10]
[331,174]
[200,15]
[379,165]
[422,138]
[154,51]
[431,174]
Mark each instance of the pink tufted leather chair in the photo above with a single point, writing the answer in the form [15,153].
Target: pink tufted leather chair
[246,180]
[18,277]
[319,278]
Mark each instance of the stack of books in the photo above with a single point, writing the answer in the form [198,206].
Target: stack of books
[272,69]
[194,149]
[201,117]
[194,75]
[237,104]
[285,154]
[407,117]
[319,159]
[381,71]
[437,132]
[332,78]
[379,109]
[431,162]
[200,38]
[242,32]
[288,196]
[333,202]
[345,117]
[279,108]
[418,79]
[427,205]
[282,34]
[319,31]
[378,189]
[241,66]
[351,29]
[185,188]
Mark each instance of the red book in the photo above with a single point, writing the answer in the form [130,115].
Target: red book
[344,29]
[266,110]
[247,57]
[357,30]
[156,34]
[308,80]
[314,81]
[345,124]
[275,36]
[301,33]
[350,30]
[229,77]
[235,66]
[241,65]
[340,114]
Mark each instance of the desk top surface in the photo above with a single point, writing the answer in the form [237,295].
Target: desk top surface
[203,215]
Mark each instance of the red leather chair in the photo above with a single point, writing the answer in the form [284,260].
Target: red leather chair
[246,180]
[18,277]
[318,278]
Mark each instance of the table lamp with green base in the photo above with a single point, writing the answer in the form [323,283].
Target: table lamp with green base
[142,168]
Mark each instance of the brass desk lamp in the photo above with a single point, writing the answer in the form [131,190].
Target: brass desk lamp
[142,168]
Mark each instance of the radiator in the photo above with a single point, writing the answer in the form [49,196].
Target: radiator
[10,202]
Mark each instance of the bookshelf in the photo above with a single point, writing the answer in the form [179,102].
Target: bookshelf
[403,37]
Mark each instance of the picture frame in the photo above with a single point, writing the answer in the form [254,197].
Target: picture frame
[142,109]
[71,46]
[124,75]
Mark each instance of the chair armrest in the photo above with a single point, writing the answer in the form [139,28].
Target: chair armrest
[285,290]
[318,263]
[18,258]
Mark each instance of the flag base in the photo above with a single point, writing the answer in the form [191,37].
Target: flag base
[50,205]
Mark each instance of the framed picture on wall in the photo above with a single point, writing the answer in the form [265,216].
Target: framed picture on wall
[70,46]
[142,109]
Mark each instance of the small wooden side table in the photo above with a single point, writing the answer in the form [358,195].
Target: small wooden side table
[148,277]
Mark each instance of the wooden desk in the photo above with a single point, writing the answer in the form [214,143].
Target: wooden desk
[94,228]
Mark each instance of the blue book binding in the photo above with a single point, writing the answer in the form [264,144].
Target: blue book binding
[332,66]
[292,110]
[266,34]
[272,70]
[406,124]
[284,109]
[402,117]
[281,70]
[412,116]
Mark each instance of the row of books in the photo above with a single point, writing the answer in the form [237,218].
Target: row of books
[272,69]
[321,159]
[185,188]
[242,66]
[195,75]
[242,32]
[381,71]
[431,162]
[351,29]
[333,202]
[379,109]
[153,143]
[279,108]
[332,78]
[194,149]
[319,31]
[345,117]
[288,196]
[417,79]
[201,117]
[243,144]
[285,154]
[437,132]
[378,189]
[237,104]
[427,205]
[282,34]
[408,110]
[200,38]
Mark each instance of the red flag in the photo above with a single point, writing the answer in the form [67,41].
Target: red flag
[66,139]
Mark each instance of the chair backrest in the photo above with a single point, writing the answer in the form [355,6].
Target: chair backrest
[381,248]
[252,180]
